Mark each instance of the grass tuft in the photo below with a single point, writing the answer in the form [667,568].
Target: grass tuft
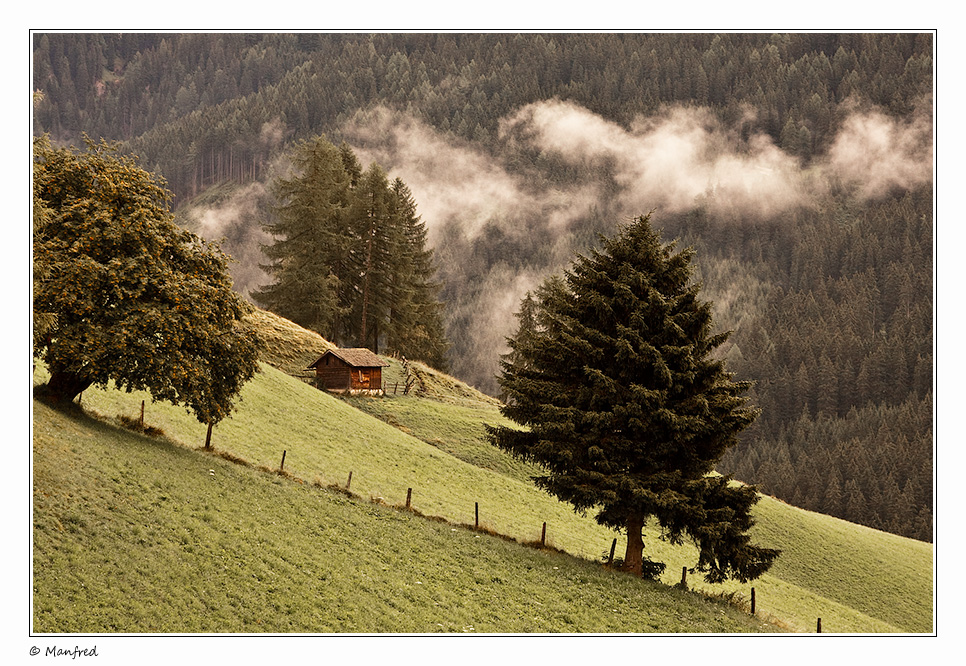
[137,426]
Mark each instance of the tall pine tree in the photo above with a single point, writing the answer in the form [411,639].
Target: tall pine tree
[415,323]
[349,257]
[372,255]
[312,238]
[626,410]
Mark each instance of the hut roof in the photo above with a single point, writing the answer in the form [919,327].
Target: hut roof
[357,357]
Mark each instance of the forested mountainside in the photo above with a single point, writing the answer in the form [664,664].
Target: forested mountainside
[798,165]
[196,105]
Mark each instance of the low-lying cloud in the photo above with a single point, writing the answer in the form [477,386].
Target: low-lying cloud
[236,223]
[684,157]
[454,181]
[677,160]
[669,161]
[875,154]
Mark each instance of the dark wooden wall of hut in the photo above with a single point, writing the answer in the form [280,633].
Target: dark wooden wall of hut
[334,374]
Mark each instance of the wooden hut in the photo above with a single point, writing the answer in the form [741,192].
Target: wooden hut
[355,370]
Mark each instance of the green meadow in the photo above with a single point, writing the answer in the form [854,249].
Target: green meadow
[142,533]
[138,534]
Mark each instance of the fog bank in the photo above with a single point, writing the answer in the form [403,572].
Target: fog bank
[674,161]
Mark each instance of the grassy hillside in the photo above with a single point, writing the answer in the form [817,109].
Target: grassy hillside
[855,579]
[139,534]
[288,346]
[882,575]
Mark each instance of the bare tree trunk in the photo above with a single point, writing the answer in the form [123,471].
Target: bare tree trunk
[366,282]
[634,555]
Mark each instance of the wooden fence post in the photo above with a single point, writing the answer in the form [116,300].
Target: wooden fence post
[543,535]
[349,482]
[141,422]
[819,628]
[409,497]
[752,601]
[282,466]
[613,547]
[477,515]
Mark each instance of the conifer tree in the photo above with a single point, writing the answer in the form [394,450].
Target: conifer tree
[375,247]
[349,259]
[312,241]
[626,410]
[526,330]
[415,325]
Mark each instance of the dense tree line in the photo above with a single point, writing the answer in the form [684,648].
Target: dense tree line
[841,351]
[204,108]
[831,306]
[348,258]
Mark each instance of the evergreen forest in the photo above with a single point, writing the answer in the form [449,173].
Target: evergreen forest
[807,193]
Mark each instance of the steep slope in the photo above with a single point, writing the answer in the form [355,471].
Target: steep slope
[136,534]
[324,439]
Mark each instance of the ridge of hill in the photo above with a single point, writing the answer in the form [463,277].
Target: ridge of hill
[855,579]
[287,346]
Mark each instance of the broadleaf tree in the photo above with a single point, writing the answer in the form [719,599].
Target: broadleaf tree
[124,294]
[625,408]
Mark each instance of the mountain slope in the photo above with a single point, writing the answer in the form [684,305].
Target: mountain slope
[324,439]
[135,534]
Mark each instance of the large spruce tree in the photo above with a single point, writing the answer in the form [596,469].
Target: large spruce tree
[625,407]
[312,240]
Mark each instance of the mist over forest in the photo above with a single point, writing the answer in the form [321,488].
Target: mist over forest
[679,161]
[799,166]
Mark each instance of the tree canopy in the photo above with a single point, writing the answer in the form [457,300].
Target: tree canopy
[625,407]
[123,294]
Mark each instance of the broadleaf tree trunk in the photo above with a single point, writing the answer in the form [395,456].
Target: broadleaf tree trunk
[634,555]
[63,386]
